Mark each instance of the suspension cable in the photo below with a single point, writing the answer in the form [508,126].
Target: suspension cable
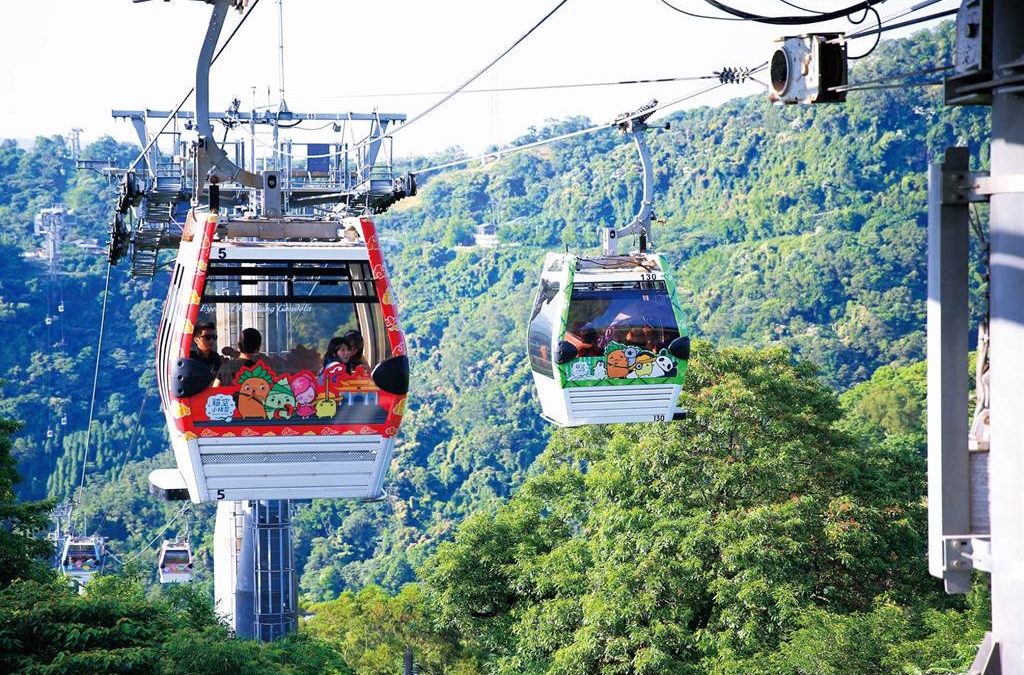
[579,132]
[174,114]
[92,402]
[159,534]
[135,434]
[536,87]
[480,72]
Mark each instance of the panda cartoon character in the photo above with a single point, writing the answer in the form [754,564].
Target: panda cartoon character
[664,366]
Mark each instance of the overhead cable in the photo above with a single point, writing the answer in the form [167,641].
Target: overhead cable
[878,36]
[698,16]
[579,132]
[174,113]
[159,534]
[481,71]
[891,79]
[537,87]
[903,24]
[92,401]
[792,20]
[899,15]
[802,9]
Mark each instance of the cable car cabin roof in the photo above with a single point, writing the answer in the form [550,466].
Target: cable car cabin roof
[610,268]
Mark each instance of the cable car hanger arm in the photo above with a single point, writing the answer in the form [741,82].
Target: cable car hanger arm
[210,157]
[635,123]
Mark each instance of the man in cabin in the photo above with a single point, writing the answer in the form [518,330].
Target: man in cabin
[204,347]
[249,350]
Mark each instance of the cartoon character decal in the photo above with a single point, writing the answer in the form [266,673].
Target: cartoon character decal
[259,396]
[304,388]
[254,384]
[629,364]
[280,402]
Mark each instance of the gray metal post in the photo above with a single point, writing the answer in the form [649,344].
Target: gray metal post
[234,579]
[948,475]
[1006,457]
[276,590]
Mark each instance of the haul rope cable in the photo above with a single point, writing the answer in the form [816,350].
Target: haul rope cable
[480,72]
[462,86]
[135,434]
[792,20]
[92,402]
[159,534]
[730,72]
[740,15]
[538,87]
[892,80]
[580,132]
[174,113]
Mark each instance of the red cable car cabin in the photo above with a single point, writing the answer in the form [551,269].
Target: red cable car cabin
[281,424]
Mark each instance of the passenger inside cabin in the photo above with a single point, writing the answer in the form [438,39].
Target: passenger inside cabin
[354,340]
[583,337]
[248,351]
[204,347]
[346,350]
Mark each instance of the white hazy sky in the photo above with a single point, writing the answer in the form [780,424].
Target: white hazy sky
[67,63]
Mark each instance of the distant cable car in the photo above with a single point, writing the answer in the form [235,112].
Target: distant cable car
[175,562]
[82,558]
[49,433]
[64,420]
[607,339]
[48,320]
[60,307]
[281,426]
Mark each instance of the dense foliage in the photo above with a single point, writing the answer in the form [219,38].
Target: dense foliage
[23,555]
[115,628]
[705,546]
[774,521]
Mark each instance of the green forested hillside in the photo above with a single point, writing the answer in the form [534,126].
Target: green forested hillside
[799,228]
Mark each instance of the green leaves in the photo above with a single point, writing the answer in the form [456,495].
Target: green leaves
[701,546]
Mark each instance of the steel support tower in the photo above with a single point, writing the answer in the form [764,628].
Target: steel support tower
[976,490]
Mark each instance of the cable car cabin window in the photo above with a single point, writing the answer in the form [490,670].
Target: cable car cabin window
[637,313]
[543,320]
[298,308]
[80,555]
[175,557]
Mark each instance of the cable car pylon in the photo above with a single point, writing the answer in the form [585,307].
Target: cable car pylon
[607,338]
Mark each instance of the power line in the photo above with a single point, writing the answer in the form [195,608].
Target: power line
[480,72]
